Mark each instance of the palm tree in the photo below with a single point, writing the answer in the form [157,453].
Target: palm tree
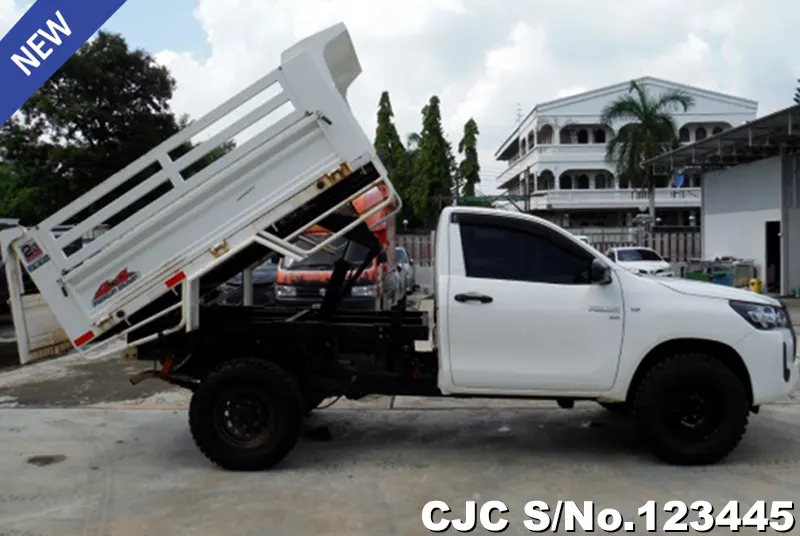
[649,131]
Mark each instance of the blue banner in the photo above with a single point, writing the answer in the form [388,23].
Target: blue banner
[44,38]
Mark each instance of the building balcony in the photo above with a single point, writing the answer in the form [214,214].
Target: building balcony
[614,199]
[564,156]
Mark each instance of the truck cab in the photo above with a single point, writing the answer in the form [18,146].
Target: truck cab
[541,285]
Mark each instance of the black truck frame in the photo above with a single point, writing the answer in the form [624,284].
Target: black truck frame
[256,372]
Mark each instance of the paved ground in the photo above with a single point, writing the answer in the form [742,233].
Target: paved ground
[84,453]
[126,472]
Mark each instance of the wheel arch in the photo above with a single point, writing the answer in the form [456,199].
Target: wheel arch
[725,353]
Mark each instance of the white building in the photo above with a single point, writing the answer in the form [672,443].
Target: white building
[751,195]
[556,158]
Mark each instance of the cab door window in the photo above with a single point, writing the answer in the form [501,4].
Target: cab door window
[512,252]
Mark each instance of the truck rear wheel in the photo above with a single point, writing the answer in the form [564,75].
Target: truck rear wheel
[691,409]
[247,415]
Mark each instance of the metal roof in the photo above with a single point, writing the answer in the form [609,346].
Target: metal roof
[755,140]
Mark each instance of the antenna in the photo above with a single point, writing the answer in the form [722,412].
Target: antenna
[797,93]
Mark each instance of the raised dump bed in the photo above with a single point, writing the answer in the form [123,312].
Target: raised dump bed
[300,156]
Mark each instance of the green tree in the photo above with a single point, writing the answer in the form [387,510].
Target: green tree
[649,130]
[106,106]
[469,168]
[432,178]
[388,144]
[390,149]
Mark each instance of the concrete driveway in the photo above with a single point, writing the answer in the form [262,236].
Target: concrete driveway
[127,471]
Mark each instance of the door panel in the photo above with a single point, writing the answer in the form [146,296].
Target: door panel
[535,336]
[522,314]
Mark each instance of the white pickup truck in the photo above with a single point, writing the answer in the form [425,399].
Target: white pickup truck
[523,309]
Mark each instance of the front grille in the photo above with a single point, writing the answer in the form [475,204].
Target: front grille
[309,291]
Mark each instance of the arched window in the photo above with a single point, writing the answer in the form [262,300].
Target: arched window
[545,135]
[700,134]
[583,182]
[683,134]
[565,182]
[599,136]
[717,130]
[600,181]
[583,136]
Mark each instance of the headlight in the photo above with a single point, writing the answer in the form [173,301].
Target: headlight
[761,316]
[285,291]
[365,291]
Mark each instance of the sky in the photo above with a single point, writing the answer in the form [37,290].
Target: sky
[485,59]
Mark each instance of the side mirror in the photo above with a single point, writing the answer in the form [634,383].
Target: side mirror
[382,258]
[599,273]
[411,262]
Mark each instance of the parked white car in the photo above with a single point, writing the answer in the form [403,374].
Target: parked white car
[406,268]
[644,261]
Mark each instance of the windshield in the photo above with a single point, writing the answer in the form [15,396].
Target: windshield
[321,260]
[402,258]
[638,255]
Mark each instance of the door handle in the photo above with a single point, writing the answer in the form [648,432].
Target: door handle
[473,296]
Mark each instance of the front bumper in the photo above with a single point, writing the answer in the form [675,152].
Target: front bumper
[771,359]
[349,303]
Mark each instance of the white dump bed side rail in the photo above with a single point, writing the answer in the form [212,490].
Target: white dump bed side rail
[175,223]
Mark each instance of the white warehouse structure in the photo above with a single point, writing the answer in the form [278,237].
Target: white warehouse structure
[751,194]
[557,167]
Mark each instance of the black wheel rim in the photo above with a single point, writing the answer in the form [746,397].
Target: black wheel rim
[694,413]
[244,417]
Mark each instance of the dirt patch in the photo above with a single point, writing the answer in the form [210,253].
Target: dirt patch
[48,459]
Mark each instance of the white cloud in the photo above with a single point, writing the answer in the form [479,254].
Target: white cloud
[10,13]
[484,57]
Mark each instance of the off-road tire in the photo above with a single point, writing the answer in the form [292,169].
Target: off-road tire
[717,382]
[286,404]
[617,408]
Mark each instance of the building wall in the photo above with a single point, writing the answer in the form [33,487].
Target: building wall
[736,204]
[790,252]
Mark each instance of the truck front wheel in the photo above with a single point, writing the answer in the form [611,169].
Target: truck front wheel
[246,416]
[691,409]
